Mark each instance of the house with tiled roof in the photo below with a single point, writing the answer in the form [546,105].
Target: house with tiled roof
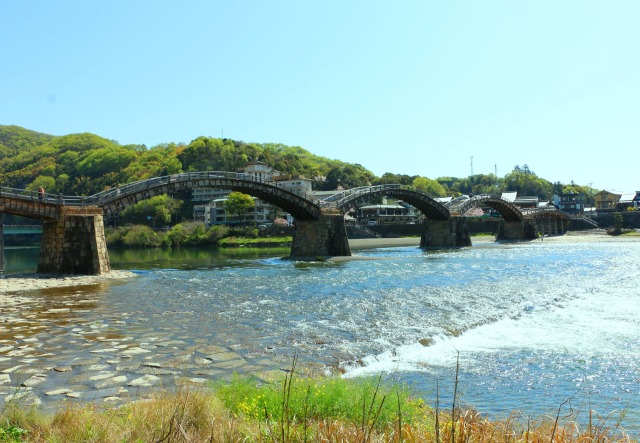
[607,200]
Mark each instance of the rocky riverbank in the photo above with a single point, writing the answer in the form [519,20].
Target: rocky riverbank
[61,345]
[13,283]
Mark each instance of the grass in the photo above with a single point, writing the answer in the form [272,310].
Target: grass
[296,409]
[249,241]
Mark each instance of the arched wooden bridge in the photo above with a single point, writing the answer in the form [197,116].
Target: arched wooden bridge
[73,229]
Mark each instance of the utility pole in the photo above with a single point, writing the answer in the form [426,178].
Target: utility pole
[472,165]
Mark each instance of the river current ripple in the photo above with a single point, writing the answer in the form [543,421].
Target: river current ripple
[532,324]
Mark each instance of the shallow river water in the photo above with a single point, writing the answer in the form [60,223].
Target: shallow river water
[533,324]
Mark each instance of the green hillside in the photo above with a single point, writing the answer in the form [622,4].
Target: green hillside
[83,164]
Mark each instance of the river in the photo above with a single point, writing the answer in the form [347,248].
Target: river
[535,325]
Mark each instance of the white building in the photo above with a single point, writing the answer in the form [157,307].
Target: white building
[294,183]
[213,212]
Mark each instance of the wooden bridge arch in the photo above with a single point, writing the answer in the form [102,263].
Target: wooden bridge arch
[509,211]
[352,198]
[300,206]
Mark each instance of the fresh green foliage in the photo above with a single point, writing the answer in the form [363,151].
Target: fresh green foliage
[160,208]
[140,236]
[327,398]
[11,434]
[249,241]
[83,164]
[348,176]
[238,204]
[189,234]
[429,186]
[527,183]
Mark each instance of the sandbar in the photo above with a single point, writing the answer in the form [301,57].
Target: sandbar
[27,282]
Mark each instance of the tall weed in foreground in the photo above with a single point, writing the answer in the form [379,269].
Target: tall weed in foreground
[296,409]
[332,398]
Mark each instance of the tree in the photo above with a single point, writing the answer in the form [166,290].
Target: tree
[527,183]
[238,204]
[348,176]
[159,207]
[48,183]
[389,178]
[429,186]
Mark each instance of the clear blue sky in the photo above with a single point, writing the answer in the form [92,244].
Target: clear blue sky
[412,87]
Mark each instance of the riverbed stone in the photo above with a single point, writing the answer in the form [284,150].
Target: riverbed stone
[223,356]
[84,361]
[103,350]
[171,343]
[101,367]
[58,310]
[159,371]
[202,361]
[135,351]
[231,364]
[94,394]
[12,369]
[5,379]
[211,349]
[152,364]
[145,381]
[127,366]
[34,380]
[62,391]
[209,372]
[102,376]
[110,382]
[26,398]
[198,381]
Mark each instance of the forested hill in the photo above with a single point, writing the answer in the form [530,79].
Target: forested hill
[83,164]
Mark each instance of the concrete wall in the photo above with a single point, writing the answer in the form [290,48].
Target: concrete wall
[631,219]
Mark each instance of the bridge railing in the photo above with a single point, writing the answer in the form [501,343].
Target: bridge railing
[27,195]
[339,198]
[457,201]
[139,186]
[534,211]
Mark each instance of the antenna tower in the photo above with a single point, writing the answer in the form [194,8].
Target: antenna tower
[472,165]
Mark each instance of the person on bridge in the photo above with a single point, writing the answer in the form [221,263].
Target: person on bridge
[41,193]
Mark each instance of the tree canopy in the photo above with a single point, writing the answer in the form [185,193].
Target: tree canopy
[238,204]
[83,164]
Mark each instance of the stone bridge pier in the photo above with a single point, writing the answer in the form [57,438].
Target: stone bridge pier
[451,233]
[325,237]
[75,243]
[516,230]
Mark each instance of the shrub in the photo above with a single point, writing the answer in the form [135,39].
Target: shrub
[142,236]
